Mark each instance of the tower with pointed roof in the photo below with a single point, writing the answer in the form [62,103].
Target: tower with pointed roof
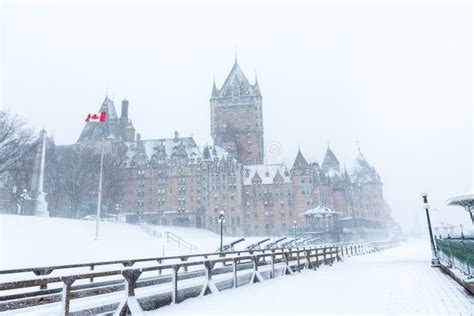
[236,117]
[330,161]
[114,128]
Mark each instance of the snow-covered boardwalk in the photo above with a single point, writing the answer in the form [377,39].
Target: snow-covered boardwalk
[397,280]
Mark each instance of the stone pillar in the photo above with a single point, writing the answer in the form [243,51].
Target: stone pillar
[39,204]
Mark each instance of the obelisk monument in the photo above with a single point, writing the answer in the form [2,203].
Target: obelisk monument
[39,204]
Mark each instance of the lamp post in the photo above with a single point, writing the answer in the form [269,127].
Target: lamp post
[23,197]
[221,220]
[294,229]
[434,253]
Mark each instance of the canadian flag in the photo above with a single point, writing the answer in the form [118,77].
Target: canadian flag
[96,117]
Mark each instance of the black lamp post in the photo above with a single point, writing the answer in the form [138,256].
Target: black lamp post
[221,220]
[434,253]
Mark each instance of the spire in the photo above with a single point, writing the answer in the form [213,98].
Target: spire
[300,161]
[215,91]
[206,154]
[330,161]
[93,131]
[236,84]
[235,52]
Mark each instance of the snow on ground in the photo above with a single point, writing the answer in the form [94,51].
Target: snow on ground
[394,281]
[398,280]
[29,241]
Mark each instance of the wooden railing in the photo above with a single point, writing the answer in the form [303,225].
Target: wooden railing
[103,291]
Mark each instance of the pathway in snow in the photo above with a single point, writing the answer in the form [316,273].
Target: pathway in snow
[398,280]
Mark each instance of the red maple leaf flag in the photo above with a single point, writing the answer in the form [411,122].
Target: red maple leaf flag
[96,117]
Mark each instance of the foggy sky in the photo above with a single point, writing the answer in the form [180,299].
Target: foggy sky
[394,77]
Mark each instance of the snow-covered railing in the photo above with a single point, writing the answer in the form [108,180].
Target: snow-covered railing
[180,241]
[104,289]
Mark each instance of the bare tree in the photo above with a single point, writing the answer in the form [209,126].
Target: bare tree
[15,139]
[72,175]
[73,178]
[113,185]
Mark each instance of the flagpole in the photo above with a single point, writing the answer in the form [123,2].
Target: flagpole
[100,189]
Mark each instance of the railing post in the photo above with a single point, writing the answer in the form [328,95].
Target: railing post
[466,258]
[66,294]
[308,258]
[130,303]
[92,278]
[317,257]
[174,284]
[43,272]
[273,266]
[160,270]
[298,259]
[209,286]
[256,276]
[287,264]
[184,259]
[234,272]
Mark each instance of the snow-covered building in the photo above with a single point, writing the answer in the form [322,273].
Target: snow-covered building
[174,181]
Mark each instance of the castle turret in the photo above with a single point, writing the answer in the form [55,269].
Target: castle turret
[94,131]
[127,131]
[236,117]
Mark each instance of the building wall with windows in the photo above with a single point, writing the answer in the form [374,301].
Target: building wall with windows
[173,181]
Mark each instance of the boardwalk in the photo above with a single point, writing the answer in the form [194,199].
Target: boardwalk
[398,280]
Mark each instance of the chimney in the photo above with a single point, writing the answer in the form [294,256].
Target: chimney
[125,108]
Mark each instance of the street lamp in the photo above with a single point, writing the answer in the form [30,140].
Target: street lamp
[434,253]
[21,202]
[294,229]
[222,221]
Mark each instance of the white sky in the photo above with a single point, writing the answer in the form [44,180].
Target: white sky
[394,76]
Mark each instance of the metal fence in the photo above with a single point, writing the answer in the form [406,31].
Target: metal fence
[166,280]
[457,253]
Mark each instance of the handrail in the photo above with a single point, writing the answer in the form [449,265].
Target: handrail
[179,240]
[291,260]
[457,253]
[46,270]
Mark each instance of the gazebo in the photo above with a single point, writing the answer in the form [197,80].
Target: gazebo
[466,201]
[314,215]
